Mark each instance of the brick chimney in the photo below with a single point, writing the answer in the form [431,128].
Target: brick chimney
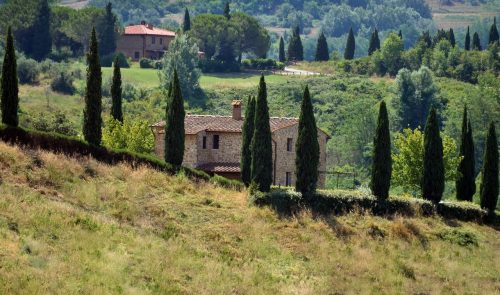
[143,22]
[237,110]
[150,26]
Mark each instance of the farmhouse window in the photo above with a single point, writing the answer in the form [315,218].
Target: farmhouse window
[153,40]
[204,142]
[216,142]
[161,41]
[289,142]
[288,179]
[136,55]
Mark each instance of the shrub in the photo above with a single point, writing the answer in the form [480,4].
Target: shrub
[28,70]
[63,83]
[107,60]
[62,54]
[57,122]
[146,63]
[262,64]
[215,66]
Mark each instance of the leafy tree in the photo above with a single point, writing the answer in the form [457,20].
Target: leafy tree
[295,49]
[307,149]
[247,134]
[281,53]
[10,87]
[476,43]
[182,57]
[374,43]
[350,47]
[116,93]
[322,53]
[382,161]
[227,11]
[434,174]
[391,52]
[92,120]
[466,180]
[489,175]
[225,50]
[42,40]
[186,25]
[262,158]
[494,37]
[134,136]
[107,32]
[451,37]
[467,40]
[174,124]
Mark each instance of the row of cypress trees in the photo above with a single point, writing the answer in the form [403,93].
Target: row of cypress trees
[433,181]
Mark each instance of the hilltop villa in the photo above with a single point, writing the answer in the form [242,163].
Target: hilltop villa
[213,144]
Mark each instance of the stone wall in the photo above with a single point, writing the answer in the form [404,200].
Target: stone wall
[229,148]
[190,147]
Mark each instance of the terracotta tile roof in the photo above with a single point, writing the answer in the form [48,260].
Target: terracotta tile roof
[194,124]
[147,30]
[220,167]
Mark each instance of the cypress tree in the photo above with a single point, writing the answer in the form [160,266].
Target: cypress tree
[225,52]
[306,149]
[382,161]
[476,43]
[494,38]
[374,43]
[10,87]
[186,25]
[322,49]
[247,134]
[174,124]
[116,92]
[467,40]
[400,34]
[489,179]
[466,182]
[295,48]
[262,158]
[281,54]
[451,37]
[350,47]
[227,11]
[433,178]
[107,32]
[92,120]
[42,41]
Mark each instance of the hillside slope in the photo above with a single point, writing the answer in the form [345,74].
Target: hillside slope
[77,226]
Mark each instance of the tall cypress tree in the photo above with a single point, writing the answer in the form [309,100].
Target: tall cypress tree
[467,40]
[227,11]
[400,34]
[262,158]
[433,178]
[42,41]
[186,25]
[10,87]
[116,92]
[374,43]
[107,32]
[306,149]
[92,120]
[382,161]
[247,134]
[451,37]
[476,43]
[321,49]
[494,38]
[350,47]
[466,182]
[281,52]
[174,124]
[489,179]
[295,48]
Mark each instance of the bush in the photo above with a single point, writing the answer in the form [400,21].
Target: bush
[146,63]
[63,83]
[107,60]
[215,66]
[28,70]
[62,54]
[262,64]
[57,122]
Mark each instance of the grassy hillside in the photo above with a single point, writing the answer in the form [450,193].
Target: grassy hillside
[461,13]
[76,226]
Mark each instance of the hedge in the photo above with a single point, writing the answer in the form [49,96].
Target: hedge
[71,146]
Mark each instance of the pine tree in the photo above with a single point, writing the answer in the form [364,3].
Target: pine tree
[247,134]
[350,47]
[382,161]
[433,175]
[282,57]
[494,38]
[489,179]
[451,37]
[42,41]
[467,40]
[374,43]
[400,34]
[107,32]
[10,87]
[295,48]
[322,49]
[262,158]
[227,11]
[116,92]
[476,43]
[225,50]
[306,149]
[174,124]
[92,120]
[186,25]
[466,182]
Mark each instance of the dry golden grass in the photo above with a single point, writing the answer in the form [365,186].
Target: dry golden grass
[80,227]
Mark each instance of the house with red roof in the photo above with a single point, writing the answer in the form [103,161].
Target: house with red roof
[213,144]
[144,40]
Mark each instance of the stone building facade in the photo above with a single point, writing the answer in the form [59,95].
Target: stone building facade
[213,144]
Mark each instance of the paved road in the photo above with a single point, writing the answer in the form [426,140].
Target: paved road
[293,71]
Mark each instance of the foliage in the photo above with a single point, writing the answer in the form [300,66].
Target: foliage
[28,70]
[494,37]
[146,63]
[381,160]
[489,173]
[186,24]
[350,47]
[41,43]
[466,178]
[262,64]
[374,42]
[63,83]
[476,42]
[281,51]
[9,84]
[54,122]
[295,49]
[467,40]
[434,170]
[246,145]
[134,136]
[174,124]
[391,52]
[322,52]
[108,60]
[116,93]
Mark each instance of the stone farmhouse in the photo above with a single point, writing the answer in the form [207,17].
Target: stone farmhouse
[144,40]
[213,144]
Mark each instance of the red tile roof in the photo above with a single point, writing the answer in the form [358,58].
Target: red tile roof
[220,167]
[147,30]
